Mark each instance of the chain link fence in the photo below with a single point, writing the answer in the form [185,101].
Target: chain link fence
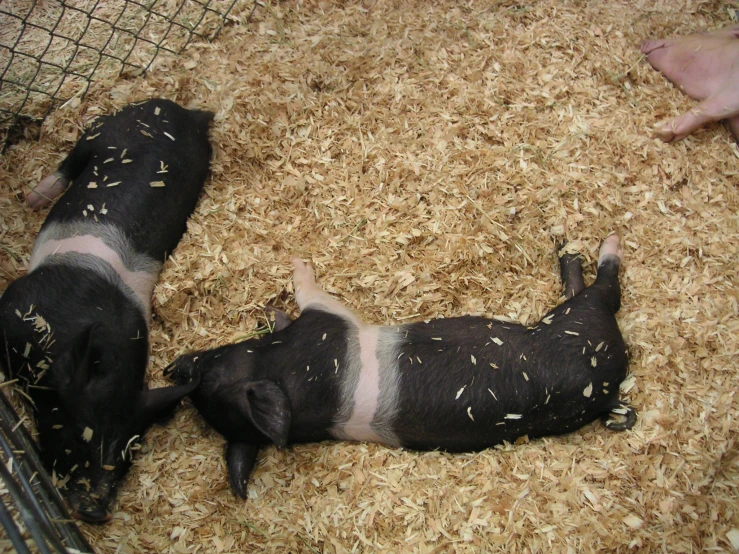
[50,50]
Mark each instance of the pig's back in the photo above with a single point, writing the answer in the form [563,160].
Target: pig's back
[469,383]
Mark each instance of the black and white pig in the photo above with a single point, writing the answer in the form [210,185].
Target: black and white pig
[459,384]
[75,328]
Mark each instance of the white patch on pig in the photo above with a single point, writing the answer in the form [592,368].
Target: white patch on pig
[368,399]
[99,248]
[388,348]
[369,391]
[361,387]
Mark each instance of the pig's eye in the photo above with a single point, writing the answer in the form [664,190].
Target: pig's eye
[98,369]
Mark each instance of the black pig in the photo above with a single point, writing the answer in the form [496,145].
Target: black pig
[75,328]
[459,384]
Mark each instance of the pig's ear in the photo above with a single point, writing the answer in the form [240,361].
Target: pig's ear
[266,406]
[240,458]
[74,368]
[155,403]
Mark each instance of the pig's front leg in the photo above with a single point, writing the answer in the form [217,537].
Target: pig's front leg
[309,295]
[47,190]
[276,319]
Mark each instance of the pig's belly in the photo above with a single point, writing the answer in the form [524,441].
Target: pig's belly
[137,272]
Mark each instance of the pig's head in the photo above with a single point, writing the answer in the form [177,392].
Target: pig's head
[231,397]
[94,413]
[217,371]
[245,408]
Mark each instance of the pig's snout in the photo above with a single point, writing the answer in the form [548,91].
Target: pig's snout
[92,514]
[90,508]
[184,369]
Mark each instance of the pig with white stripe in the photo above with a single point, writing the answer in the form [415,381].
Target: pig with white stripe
[459,384]
[75,329]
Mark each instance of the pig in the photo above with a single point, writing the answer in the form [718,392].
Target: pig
[75,327]
[457,384]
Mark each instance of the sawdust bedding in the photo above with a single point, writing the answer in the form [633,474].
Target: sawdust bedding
[425,157]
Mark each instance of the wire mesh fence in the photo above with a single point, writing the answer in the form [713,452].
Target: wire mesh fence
[50,50]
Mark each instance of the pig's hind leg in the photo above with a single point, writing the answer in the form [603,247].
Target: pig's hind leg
[606,281]
[570,270]
[51,186]
[309,295]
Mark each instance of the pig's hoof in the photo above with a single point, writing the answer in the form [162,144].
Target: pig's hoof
[277,320]
[561,248]
[183,370]
[610,248]
[303,272]
[624,411]
[46,191]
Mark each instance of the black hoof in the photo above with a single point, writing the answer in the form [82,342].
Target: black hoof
[623,410]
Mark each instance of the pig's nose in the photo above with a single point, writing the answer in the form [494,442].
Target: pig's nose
[92,514]
[171,368]
[183,370]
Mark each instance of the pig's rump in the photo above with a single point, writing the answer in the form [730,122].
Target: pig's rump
[140,170]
